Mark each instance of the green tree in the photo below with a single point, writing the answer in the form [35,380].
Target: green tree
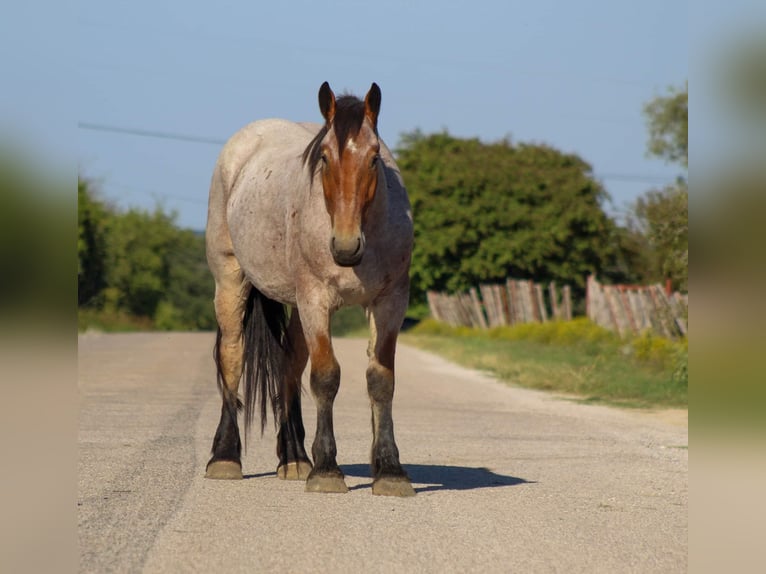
[92,220]
[668,119]
[140,264]
[484,212]
[159,271]
[662,216]
[189,291]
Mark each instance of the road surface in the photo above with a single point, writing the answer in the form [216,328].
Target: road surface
[508,479]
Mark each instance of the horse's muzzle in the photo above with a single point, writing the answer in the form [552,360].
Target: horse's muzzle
[347,252]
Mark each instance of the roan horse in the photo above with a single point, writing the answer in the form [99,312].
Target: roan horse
[308,217]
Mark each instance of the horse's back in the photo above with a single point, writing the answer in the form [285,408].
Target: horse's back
[278,137]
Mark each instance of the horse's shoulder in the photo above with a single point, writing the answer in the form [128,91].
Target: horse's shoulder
[262,138]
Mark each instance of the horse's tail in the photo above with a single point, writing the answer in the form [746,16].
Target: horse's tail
[265,356]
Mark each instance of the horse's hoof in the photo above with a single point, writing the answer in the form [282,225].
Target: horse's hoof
[298,470]
[393,486]
[224,470]
[331,483]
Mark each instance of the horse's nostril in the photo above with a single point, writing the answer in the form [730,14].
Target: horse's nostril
[347,251]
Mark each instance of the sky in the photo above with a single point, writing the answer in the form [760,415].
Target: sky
[573,75]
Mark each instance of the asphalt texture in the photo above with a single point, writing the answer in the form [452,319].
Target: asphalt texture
[507,479]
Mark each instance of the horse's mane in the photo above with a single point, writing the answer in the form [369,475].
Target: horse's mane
[349,115]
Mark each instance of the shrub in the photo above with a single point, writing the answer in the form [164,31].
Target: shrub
[648,349]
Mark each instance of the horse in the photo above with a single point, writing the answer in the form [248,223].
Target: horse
[303,219]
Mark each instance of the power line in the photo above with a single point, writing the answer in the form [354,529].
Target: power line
[150,133]
[627,177]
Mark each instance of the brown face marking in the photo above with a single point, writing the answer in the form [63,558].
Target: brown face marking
[350,178]
[347,151]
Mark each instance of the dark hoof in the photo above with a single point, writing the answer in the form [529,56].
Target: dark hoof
[326,483]
[224,470]
[298,470]
[393,486]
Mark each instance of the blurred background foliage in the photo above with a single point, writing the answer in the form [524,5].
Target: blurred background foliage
[36,218]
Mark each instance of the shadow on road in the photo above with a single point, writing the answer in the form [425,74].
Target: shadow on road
[260,475]
[442,477]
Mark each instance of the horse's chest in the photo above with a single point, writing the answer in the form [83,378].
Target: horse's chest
[361,284]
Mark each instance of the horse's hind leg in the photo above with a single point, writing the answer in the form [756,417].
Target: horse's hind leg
[385,316]
[294,463]
[231,295]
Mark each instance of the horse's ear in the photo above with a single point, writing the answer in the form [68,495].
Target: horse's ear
[327,102]
[372,104]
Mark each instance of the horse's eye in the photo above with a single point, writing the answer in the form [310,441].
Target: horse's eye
[375,160]
[324,159]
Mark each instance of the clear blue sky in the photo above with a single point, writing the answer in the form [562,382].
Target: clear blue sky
[574,75]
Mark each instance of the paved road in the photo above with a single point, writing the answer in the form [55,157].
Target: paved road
[508,480]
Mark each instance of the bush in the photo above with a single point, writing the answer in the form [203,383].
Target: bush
[658,351]
[579,331]
[138,263]
[168,318]
[349,322]
[648,349]
[111,321]
[681,368]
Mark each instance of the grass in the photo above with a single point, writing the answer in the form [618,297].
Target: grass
[350,322]
[111,321]
[574,357]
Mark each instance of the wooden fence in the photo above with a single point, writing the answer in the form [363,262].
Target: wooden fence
[496,305]
[625,309]
[631,309]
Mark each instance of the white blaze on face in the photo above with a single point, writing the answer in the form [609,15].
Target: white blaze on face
[351,145]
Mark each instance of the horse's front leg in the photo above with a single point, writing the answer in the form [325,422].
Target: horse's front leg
[385,316]
[326,475]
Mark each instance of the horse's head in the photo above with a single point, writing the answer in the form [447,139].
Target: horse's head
[347,152]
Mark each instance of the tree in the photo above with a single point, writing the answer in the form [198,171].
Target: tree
[662,216]
[668,119]
[141,264]
[484,212]
[189,289]
[91,244]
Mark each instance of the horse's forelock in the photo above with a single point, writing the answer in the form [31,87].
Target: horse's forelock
[349,115]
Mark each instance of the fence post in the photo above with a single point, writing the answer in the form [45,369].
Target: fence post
[567,303]
[477,308]
[541,303]
[554,300]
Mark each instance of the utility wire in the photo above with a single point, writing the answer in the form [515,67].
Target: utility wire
[215,141]
[150,133]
